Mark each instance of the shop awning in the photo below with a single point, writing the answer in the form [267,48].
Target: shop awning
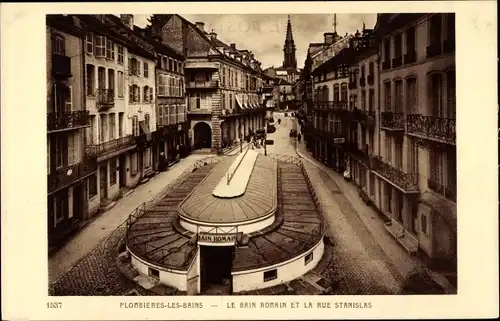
[199,65]
[144,127]
[238,101]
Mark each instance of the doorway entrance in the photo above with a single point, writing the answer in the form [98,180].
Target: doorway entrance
[202,135]
[216,263]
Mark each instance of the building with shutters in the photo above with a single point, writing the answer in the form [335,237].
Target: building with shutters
[416,161]
[223,86]
[68,169]
[119,88]
[171,112]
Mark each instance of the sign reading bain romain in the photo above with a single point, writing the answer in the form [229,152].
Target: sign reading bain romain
[220,239]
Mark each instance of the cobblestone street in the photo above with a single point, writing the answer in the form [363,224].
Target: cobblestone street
[354,263]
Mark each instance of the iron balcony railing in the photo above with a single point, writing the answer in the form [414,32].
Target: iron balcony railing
[406,181]
[105,98]
[393,121]
[211,84]
[110,146]
[360,154]
[61,66]
[410,57]
[432,127]
[67,120]
[434,50]
[397,62]
[68,175]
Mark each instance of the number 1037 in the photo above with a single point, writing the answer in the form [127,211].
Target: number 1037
[54,305]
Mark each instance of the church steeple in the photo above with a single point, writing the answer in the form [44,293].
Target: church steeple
[289,49]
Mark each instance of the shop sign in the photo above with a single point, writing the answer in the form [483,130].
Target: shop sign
[208,238]
[339,140]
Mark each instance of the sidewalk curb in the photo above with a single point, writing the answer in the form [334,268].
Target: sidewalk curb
[436,277]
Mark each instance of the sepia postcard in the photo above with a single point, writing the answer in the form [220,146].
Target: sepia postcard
[277,160]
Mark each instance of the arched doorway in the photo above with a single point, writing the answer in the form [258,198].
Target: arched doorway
[202,135]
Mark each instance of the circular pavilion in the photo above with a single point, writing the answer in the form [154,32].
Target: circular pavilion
[245,223]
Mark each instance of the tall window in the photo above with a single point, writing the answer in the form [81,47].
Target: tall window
[146,121]
[343,92]
[89,43]
[92,185]
[436,95]
[110,50]
[146,94]
[58,47]
[135,126]
[90,83]
[387,96]
[451,110]
[410,40]
[74,147]
[120,54]
[147,157]
[398,44]
[411,96]
[363,100]
[59,151]
[371,69]
[336,92]
[100,46]
[388,149]
[371,99]
[134,166]
[102,128]
[398,95]
[112,126]
[387,49]
[146,70]
[120,124]
[413,154]
[120,84]
[112,171]
[399,153]
[435,29]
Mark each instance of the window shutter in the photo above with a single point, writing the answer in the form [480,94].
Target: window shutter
[151,94]
[71,149]
[69,102]
[130,66]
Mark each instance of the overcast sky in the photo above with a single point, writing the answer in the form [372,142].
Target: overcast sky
[264,35]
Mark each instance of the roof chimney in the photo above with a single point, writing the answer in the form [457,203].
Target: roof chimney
[213,35]
[328,37]
[200,25]
[233,46]
[128,20]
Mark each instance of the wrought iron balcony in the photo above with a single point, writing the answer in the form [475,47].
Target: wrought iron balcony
[397,62]
[449,46]
[386,65]
[450,192]
[105,99]
[61,66]
[406,181]
[370,79]
[410,57]
[362,81]
[68,175]
[67,120]
[392,121]
[211,84]
[110,146]
[431,127]
[434,50]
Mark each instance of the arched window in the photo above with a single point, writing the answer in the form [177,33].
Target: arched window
[58,45]
[336,92]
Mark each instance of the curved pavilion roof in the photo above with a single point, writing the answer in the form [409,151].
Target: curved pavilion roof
[259,199]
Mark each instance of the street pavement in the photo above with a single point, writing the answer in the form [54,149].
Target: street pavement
[360,258]
[96,231]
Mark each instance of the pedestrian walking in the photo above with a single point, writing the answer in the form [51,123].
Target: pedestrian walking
[299,136]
